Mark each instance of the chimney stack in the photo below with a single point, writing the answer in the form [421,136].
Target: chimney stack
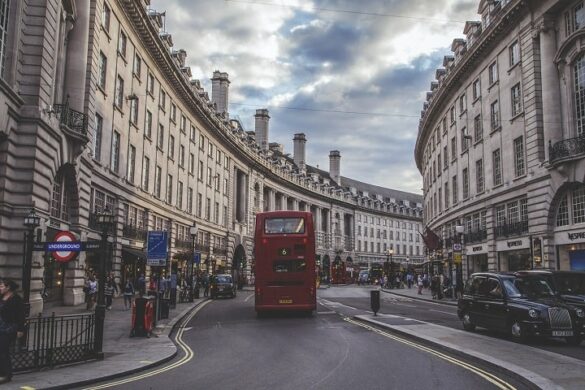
[261,128]
[219,91]
[335,166]
[299,151]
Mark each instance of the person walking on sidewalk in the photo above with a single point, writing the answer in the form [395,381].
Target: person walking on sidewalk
[90,292]
[109,290]
[420,284]
[11,325]
[205,284]
[128,294]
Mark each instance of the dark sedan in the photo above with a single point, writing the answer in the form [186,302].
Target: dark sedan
[567,285]
[520,306]
[223,285]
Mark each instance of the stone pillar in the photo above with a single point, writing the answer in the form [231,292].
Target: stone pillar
[77,47]
[272,200]
[551,95]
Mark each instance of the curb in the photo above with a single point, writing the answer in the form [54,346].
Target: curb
[167,330]
[439,301]
[461,354]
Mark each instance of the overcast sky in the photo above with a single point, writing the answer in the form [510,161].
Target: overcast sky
[351,75]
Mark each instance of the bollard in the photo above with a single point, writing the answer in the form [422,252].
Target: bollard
[375,301]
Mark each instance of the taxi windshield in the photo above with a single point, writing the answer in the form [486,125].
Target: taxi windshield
[531,287]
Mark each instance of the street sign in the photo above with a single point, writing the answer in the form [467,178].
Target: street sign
[156,253]
[65,246]
[457,258]
[457,247]
[77,246]
[197,258]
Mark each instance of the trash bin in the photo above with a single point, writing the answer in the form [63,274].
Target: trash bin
[375,301]
[142,317]
[165,306]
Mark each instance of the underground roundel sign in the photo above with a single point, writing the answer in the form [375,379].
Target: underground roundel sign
[65,246]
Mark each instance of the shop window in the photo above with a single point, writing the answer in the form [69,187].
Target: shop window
[563,213]
[579,205]
[579,86]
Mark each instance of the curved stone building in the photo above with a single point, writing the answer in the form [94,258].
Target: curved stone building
[99,111]
[500,143]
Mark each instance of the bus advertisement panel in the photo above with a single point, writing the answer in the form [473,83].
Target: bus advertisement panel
[284,247]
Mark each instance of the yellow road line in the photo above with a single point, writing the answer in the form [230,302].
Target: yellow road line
[178,339]
[500,383]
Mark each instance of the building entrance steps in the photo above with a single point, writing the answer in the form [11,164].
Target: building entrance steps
[544,369]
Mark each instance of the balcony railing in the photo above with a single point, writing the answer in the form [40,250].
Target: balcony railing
[475,236]
[220,250]
[74,120]
[133,232]
[566,148]
[512,229]
[184,244]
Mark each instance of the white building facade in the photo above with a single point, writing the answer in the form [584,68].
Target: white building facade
[501,142]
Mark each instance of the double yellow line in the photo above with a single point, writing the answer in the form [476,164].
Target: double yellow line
[178,339]
[501,384]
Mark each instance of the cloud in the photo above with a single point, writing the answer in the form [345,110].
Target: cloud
[351,75]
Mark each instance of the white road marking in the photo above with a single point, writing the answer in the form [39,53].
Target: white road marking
[248,297]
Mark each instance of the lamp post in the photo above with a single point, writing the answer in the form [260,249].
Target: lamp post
[31,221]
[389,256]
[105,220]
[193,232]
[212,257]
[458,267]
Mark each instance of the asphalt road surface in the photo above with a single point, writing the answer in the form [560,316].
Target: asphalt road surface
[225,346]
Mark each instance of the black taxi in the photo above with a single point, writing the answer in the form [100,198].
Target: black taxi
[569,286]
[520,306]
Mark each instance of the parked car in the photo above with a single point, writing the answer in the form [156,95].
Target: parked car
[567,285]
[519,305]
[223,285]
[364,277]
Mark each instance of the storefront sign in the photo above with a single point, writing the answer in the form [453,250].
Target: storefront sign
[478,249]
[572,237]
[512,244]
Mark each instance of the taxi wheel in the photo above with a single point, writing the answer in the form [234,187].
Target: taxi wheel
[467,324]
[517,332]
[574,340]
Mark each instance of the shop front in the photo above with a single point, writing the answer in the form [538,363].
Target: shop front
[570,248]
[133,263]
[477,258]
[514,254]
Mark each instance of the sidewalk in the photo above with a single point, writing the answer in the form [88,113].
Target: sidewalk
[123,355]
[543,369]
[425,296]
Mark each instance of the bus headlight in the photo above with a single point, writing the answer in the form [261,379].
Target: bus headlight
[533,313]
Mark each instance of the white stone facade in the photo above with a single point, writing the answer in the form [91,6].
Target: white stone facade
[500,142]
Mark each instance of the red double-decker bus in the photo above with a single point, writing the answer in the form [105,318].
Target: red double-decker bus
[284,245]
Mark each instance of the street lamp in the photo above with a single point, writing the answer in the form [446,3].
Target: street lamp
[458,267]
[212,264]
[31,221]
[193,232]
[105,220]
[389,256]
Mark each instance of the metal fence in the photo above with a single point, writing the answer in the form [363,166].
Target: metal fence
[55,340]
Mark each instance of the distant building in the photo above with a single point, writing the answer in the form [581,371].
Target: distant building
[500,144]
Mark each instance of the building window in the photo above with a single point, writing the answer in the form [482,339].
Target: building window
[207,209]
[519,167]
[199,204]
[201,142]
[162,102]
[161,136]
[464,140]
[131,163]
[452,115]
[150,84]
[115,161]
[478,128]
[122,44]
[497,167]
[134,111]
[445,157]
[148,126]
[462,104]
[157,181]
[476,89]
[493,73]
[190,201]
[563,212]
[103,67]
[514,51]
[216,213]
[191,163]
[61,201]
[172,147]
[180,195]
[97,139]
[454,189]
[119,93]
[480,181]
[465,183]
[183,124]
[146,173]
[575,19]
[200,173]
[137,66]
[516,100]
[446,195]
[444,125]
[106,16]
[453,149]
[578,205]
[182,156]
[170,189]
[579,70]
[495,115]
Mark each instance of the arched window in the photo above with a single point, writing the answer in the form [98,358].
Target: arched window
[61,201]
[579,69]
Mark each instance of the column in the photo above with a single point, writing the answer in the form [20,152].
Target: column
[77,46]
[551,96]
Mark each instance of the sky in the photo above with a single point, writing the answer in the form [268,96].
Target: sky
[351,75]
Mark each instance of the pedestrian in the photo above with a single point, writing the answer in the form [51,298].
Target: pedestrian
[128,294]
[142,284]
[90,292]
[109,290]
[434,286]
[11,325]
[420,284]
[205,284]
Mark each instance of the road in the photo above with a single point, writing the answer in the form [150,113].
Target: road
[225,346]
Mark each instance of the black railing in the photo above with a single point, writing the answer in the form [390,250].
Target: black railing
[184,244]
[220,250]
[475,236]
[55,340]
[74,120]
[571,147]
[512,229]
[134,232]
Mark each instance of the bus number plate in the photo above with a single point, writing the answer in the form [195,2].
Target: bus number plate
[285,301]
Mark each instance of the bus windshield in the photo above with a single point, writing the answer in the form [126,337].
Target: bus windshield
[284,226]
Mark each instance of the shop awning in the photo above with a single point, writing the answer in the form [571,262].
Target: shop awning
[136,252]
